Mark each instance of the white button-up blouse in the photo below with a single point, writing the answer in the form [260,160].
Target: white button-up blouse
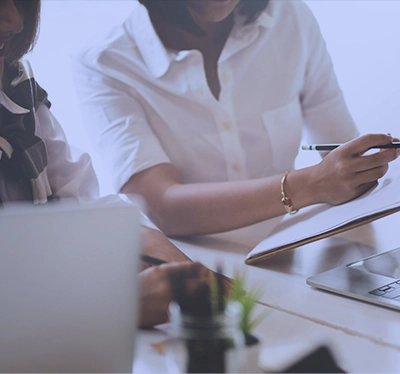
[144,105]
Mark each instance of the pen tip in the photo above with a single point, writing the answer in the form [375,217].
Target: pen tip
[304,147]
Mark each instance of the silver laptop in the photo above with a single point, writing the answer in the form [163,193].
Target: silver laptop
[375,279]
[68,288]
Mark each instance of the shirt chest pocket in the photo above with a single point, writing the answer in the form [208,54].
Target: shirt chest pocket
[284,129]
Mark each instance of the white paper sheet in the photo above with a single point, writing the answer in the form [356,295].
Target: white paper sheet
[321,218]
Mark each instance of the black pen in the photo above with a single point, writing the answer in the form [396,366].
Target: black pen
[152,260]
[330,147]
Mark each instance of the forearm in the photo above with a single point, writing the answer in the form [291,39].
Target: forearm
[205,208]
[156,244]
[217,207]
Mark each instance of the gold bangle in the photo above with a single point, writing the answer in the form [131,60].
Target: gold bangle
[287,203]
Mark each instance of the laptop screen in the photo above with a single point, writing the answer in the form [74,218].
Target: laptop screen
[386,264]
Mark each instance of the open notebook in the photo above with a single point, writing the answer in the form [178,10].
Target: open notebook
[323,220]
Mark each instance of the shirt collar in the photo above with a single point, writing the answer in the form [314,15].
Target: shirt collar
[264,20]
[240,29]
[158,58]
[24,73]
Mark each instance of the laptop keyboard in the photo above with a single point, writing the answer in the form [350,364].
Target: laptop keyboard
[389,291]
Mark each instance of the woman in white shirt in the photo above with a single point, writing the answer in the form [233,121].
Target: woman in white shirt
[200,107]
[37,163]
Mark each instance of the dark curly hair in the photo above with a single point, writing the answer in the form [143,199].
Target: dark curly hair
[175,12]
[25,40]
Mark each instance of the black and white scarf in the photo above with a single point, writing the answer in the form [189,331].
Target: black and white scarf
[20,149]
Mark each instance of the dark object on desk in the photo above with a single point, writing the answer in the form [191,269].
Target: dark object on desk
[204,345]
[152,260]
[320,360]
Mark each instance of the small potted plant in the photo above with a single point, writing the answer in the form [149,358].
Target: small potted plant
[248,300]
[207,327]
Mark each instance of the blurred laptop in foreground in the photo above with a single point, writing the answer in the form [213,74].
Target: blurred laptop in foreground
[68,287]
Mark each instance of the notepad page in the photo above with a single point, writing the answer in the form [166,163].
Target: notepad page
[320,218]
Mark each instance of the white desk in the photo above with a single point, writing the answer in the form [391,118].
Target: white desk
[364,338]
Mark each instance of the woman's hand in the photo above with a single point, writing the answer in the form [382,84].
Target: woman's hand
[156,244]
[347,172]
[156,292]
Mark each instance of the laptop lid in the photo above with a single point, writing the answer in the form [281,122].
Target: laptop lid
[374,279]
[68,287]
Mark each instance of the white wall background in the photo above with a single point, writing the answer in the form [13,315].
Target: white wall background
[363,37]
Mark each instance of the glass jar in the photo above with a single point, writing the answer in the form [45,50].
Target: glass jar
[205,344]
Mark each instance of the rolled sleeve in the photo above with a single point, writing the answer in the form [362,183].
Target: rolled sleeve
[324,109]
[117,124]
[70,170]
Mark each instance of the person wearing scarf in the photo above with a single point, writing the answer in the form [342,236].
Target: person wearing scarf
[37,164]
[24,145]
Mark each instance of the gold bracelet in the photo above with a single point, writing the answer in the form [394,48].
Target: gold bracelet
[287,203]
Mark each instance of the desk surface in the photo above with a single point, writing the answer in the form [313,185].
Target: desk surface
[364,337]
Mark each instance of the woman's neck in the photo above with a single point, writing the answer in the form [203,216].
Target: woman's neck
[213,38]
[210,45]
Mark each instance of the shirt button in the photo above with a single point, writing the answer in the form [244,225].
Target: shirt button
[226,77]
[236,167]
[227,125]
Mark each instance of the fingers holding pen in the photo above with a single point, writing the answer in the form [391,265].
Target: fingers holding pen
[396,139]
[378,160]
[349,171]
[156,291]
[353,153]
[359,146]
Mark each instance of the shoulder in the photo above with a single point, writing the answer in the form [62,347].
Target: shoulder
[294,12]
[126,54]
[293,21]
[105,48]
[297,8]
[115,45]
